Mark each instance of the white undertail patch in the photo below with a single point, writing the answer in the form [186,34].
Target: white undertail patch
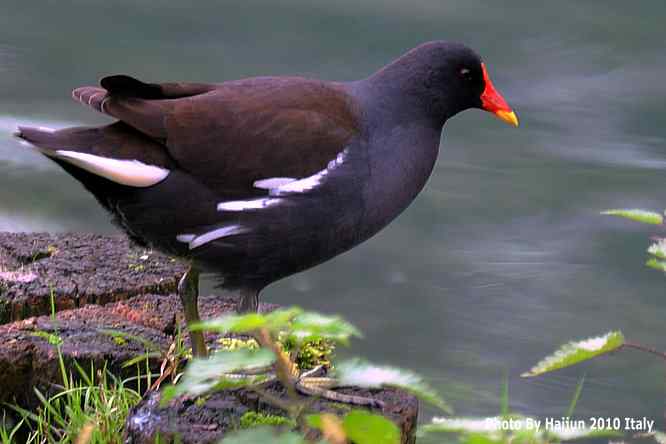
[241,205]
[195,241]
[132,173]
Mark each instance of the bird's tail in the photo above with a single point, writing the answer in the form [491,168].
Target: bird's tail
[116,152]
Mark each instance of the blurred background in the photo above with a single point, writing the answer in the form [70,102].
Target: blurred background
[504,255]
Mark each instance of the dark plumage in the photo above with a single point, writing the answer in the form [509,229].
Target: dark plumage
[259,178]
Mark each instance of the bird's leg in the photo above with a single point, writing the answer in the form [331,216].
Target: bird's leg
[188,291]
[249,301]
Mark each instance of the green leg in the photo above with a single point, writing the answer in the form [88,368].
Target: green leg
[188,290]
[249,301]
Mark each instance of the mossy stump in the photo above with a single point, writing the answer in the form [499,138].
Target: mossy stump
[76,269]
[111,299]
[207,420]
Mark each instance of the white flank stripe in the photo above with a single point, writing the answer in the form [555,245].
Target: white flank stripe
[212,235]
[241,205]
[185,238]
[125,172]
[46,129]
[309,183]
[273,182]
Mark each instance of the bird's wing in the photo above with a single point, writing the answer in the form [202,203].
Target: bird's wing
[236,135]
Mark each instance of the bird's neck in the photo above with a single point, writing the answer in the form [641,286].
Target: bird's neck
[393,96]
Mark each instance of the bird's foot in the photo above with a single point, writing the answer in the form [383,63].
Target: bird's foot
[309,384]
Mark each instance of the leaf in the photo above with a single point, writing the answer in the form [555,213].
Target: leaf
[658,249]
[575,352]
[576,397]
[646,217]
[363,427]
[311,326]
[202,375]
[233,323]
[656,264]
[261,435]
[462,425]
[520,428]
[504,395]
[362,374]
[330,426]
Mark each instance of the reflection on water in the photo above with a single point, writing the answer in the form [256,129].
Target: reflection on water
[502,258]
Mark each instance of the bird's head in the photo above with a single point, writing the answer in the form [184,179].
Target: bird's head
[445,78]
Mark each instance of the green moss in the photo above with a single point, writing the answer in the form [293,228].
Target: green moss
[311,353]
[51,338]
[238,343]
[119,340]
[253,419]
[201,401]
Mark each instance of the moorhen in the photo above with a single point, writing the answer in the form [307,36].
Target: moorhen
[260,178]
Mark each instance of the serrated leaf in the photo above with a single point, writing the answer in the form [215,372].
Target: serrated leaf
[486,426]
[261,435]
[231,323]
[281,318]
[330,426]
[363,427]
[204,374]
[577,351]
[235,323]
[311,326]
[646,217]
[658,249]
[656,264]
[360,373]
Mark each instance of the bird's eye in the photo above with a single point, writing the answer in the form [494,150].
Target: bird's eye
[466,74]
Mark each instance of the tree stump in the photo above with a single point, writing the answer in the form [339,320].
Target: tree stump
[107,301]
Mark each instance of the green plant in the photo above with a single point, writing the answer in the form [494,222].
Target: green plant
[656,250]
[94,403]
[91,407]
[8,431]
[510,427]
[252,367]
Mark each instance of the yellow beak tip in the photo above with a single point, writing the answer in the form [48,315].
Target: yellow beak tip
[508,116]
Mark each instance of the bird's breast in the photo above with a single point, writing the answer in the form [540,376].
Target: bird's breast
[399,164]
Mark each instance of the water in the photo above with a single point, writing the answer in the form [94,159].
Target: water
[502,258]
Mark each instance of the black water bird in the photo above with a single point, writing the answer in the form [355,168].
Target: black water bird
[260,178]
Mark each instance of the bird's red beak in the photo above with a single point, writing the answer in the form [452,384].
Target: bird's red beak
[493,102]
